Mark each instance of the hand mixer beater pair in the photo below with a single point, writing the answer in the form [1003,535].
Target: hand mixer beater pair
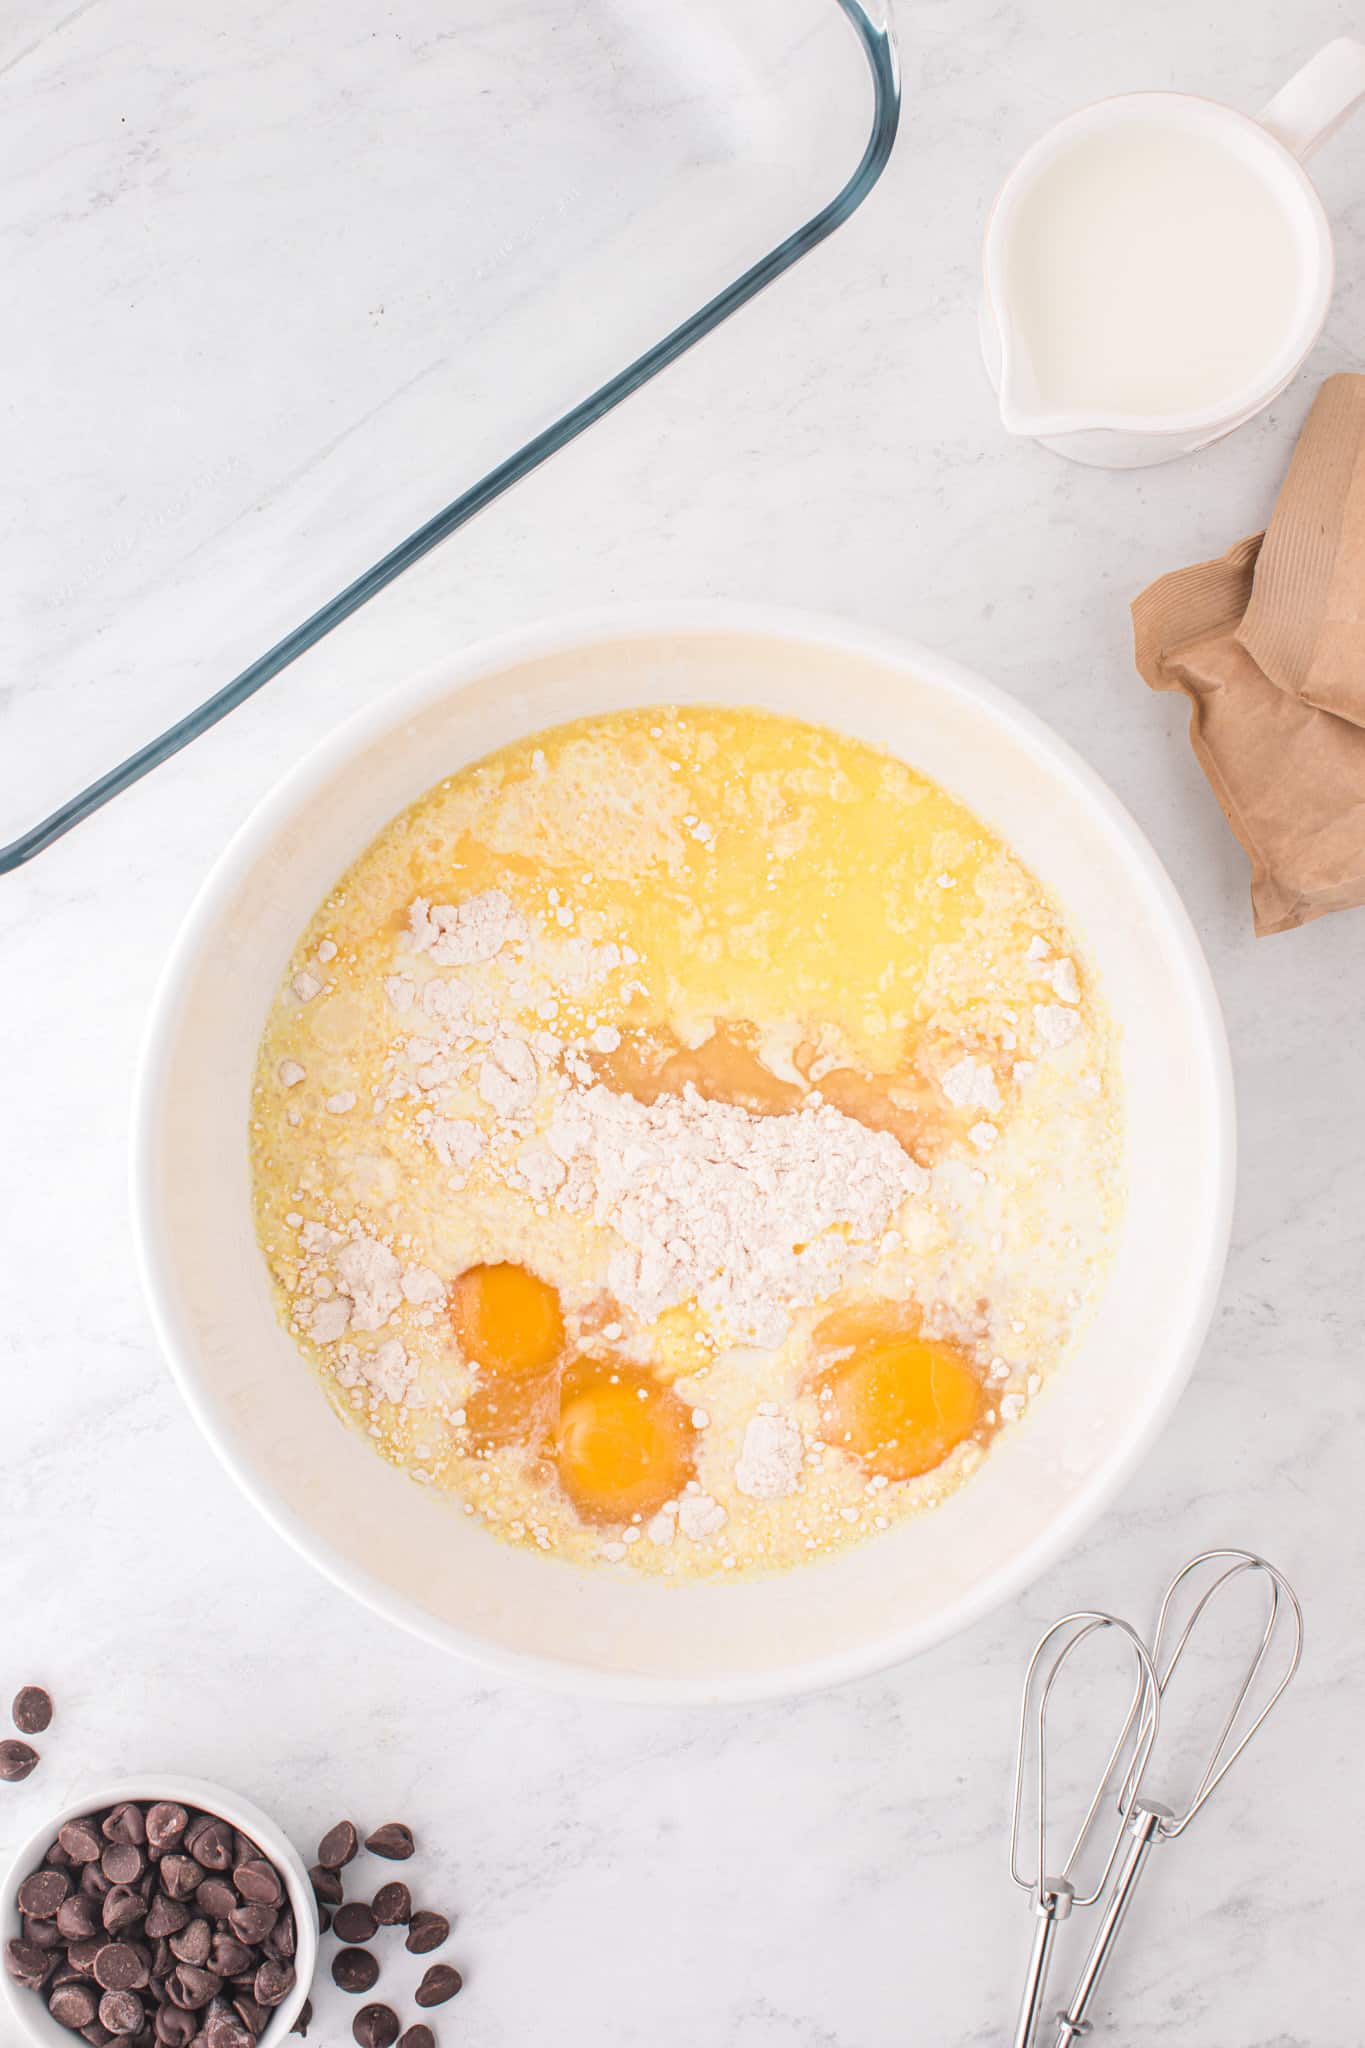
[1122,1825]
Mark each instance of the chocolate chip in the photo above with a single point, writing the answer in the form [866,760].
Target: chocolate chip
[338,1846]
[181,1876]
[17,1759]
[123,1863]
[165,1916]
[32,1710]
[121,2012]
[427,1931]
[326,1885]
[123,1909]
[76,1918]
[229,1957]
[174,2028]
[355,1922]
[193,1942]
[124,1824]
[282,1939]
[354,1969]
[216,1897]
[393,1905]
[94,1883]
[393,1842]
[258,1881]
[74,2006]
[252,1924]
[375,2026]
[210,1842]
[96,2035]
[255,2018]
[43,1892]
[81,1841]
[440,1983]
[304,2019]
[56,1857]
[324,1918]
[119,1967]
[225,2030]
[81,1954]
[273,1983]
[166,1825]
[192,1987]
[27,1963]
[419,2036]
[42,1933]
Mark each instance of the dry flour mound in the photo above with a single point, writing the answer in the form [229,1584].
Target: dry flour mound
[750,1216]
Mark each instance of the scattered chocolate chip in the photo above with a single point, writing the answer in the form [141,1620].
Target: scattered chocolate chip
[274,1982]
[121,2012]
[120,1967]
[181,1876]
[43,1892]
[440,1983]
[166,1825]
[427,1931]
[304,2019]
[355,1922]
[122,1910]
[174,2028]
[419,2036]
[326,1885]
[123,1863]
[324,1918]
[17,1759]
[74,2005]
[258,1881]
[354,1969]
[165,1916]
[375,2026]
[393,1842]
[210,1842]
[193,1942]
[76,1918]
[252,1924]
[216,1897]
[338,1846]
[32,1710]
[393,1905]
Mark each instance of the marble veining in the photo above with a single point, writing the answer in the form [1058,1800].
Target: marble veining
[828,1872]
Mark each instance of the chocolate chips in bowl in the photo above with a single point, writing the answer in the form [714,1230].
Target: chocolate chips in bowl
[163,1913]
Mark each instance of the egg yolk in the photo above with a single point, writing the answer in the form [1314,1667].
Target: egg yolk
[624,1442]
[900,1404]
[508,1321]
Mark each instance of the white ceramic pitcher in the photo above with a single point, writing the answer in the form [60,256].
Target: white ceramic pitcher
[1302,115]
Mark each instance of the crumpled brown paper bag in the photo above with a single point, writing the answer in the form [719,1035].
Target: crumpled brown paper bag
[1268,644]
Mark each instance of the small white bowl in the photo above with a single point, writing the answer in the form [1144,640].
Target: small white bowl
[411,1554]
[28,2007]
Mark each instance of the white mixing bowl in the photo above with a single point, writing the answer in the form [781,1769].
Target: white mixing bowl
[432,1569]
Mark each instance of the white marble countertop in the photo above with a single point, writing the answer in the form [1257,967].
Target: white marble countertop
[828,1871]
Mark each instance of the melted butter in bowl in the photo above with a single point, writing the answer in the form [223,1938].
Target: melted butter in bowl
[687,1138]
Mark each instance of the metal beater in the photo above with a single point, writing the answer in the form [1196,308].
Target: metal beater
[1142,1821]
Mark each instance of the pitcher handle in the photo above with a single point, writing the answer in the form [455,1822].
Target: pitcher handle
[1317,99]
